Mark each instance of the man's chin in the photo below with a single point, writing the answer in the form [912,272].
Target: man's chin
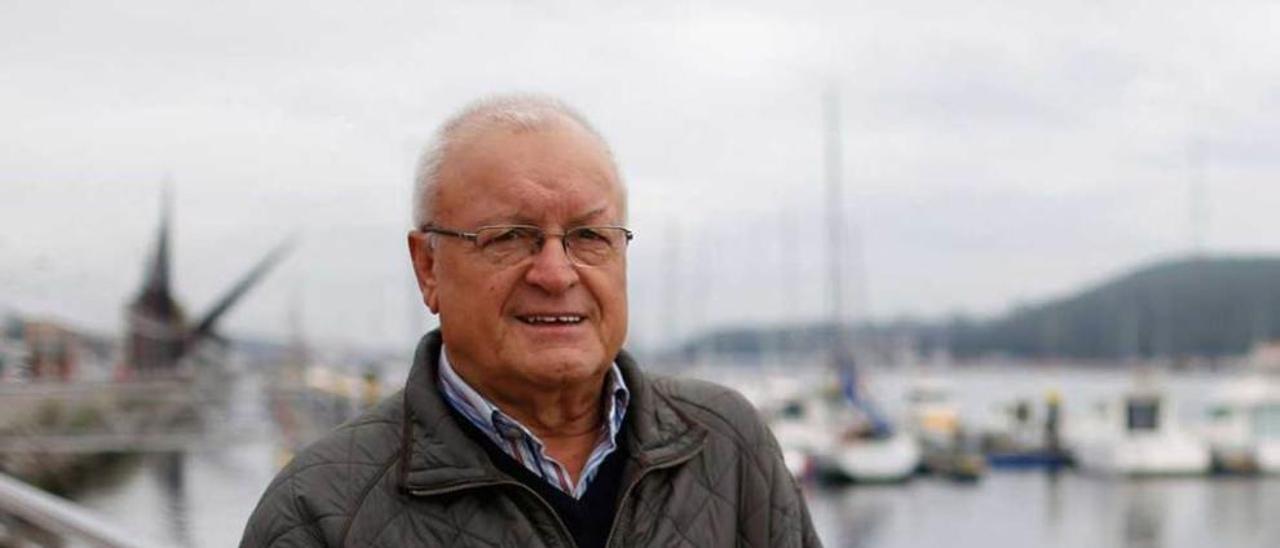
[561,366]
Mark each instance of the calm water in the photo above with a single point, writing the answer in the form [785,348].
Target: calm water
[203,500]
[1032,509]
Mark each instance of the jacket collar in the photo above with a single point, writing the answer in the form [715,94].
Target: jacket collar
[438,457]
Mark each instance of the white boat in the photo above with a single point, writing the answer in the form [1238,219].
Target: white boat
[836,432]
[1138,435]
[863,458]
[1243,426]
[821,435]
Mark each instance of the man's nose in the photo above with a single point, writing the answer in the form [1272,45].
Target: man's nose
[552,270]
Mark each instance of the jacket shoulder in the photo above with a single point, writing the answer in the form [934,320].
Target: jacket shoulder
[775,512]
[721,409]
[313,499]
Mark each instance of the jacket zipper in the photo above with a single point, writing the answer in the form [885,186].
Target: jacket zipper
[626,494]
[564,529]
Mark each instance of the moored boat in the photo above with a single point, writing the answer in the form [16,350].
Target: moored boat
[1138,435]
[1243,427]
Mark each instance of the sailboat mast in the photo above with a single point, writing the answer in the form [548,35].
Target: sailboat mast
[833,167]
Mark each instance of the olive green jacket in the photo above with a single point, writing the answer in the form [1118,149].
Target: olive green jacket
[703,471]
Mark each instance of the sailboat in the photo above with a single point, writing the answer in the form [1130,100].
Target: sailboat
[839,432]
[866,446]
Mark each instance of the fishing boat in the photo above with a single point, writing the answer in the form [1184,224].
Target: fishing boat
[1243,427]
[1137,434]
[1028,438]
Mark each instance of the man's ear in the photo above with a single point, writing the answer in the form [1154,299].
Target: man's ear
[424,262]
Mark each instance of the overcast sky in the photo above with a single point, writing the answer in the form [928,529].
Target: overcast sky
[995,152]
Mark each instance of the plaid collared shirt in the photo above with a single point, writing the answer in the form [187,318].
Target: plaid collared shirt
[521,444]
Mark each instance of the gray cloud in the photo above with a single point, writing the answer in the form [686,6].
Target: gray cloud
[994,152]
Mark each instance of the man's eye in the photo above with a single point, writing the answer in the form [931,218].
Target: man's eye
[589,235]
[507,236]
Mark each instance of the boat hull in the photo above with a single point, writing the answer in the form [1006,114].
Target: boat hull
[1154,456]
[895,458]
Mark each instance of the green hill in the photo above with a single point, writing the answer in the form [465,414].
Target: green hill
[1188,307]
[1205,307]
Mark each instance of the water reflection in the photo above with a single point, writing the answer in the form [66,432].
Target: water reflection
[856,516]
[202,498]
[1143,525]
[1053,500]
[1066,510]
[169,470]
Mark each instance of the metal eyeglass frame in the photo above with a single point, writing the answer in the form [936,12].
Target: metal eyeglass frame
[474,237]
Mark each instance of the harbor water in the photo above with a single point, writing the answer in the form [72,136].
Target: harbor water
[203,499]
[1021,509]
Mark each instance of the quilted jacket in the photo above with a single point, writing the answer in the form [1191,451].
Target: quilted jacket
[703,471]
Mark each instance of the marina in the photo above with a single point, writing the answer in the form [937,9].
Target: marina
[201,498]
[172,433]
[990,275]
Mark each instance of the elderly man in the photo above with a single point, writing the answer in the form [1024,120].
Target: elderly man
[523,423]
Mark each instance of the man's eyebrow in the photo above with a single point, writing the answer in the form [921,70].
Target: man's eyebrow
[499,219]
[583,218]
[523,219]
[509,216]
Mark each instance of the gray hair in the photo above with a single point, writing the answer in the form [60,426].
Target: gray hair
[516,112]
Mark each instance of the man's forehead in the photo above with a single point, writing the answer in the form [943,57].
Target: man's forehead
[518,166]
[515,204]
[469,135]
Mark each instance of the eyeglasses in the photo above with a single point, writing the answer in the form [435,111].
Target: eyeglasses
[508,245]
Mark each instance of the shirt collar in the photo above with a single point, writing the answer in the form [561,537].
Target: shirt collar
[486,416]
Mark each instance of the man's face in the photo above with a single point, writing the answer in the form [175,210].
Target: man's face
[556,178]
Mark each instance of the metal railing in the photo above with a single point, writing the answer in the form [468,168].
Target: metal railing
[62,517]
